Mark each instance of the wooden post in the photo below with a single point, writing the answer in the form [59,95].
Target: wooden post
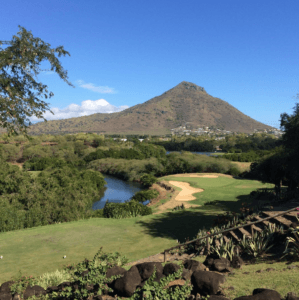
[165,256]
[208,246]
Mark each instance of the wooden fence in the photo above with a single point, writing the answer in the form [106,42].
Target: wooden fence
[227,230]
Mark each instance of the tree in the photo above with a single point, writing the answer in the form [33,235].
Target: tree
[21,94]
[290,139]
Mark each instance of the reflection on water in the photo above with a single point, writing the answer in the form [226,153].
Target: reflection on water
[117,190]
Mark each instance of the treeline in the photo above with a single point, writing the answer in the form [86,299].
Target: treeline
[232,143]
[173,163]
[250,156]
[55,195]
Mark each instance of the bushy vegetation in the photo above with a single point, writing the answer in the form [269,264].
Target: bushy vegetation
[55,195]
[185,162]
[232,143]
[128,209]
[142,196]
[137,152]
[250,156]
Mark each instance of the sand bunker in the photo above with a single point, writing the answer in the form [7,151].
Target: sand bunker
[186,193]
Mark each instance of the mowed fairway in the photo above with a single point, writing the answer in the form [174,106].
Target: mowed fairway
[39,250]
[230,192]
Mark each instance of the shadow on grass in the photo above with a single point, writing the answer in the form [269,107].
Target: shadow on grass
[185,224]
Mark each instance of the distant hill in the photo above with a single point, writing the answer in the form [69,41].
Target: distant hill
[186,102]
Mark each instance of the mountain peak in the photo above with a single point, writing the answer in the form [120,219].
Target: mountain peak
[190,86]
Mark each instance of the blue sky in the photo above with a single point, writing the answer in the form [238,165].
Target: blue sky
[126,52]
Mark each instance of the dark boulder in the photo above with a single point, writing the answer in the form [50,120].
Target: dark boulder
[4,288]
[261,294]
[146,269]
[126,285]
[194,265]
[5,296]
[237,262]
[170,268]
[35,290]
[221,264]
[206,283]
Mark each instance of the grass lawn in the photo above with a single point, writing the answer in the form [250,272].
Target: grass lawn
[39,250]
[229,192]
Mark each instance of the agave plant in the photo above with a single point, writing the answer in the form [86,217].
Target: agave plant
[293,251]
[259,244]
[224,249]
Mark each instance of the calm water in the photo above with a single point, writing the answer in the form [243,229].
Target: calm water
[204,153]
[117,190]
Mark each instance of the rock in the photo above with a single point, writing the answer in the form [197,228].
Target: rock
[114,271]
[5,296]
[170,268]
[5,286]
[261,294]
[217,297]
[35,290]
[126,285]
[292,296]
[206,283]
[237,262]
[210,259]
[187,274]
[194,265]
[146,269]
[221,264]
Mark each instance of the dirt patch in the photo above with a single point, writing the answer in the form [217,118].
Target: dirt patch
[162,194]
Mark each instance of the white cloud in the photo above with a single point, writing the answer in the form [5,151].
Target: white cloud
[87,107]
[94,88]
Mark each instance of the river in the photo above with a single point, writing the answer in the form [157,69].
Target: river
[117,190]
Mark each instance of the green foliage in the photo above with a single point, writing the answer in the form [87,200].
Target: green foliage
[148,180]
[156,290]
[39,164]
[19,66]
[9,152]
[174,163]
[145,195]
[55,195]
[21,282]
[128,209]
[92,273]
[224,249]
[137,152]
[292,249]
[84,274]
[234,171]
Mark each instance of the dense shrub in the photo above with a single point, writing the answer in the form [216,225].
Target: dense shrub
[137,152]
[148,180]
[55,195]
[173,163]
[128,209]
[143,196]
[41,163]
[234,171]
